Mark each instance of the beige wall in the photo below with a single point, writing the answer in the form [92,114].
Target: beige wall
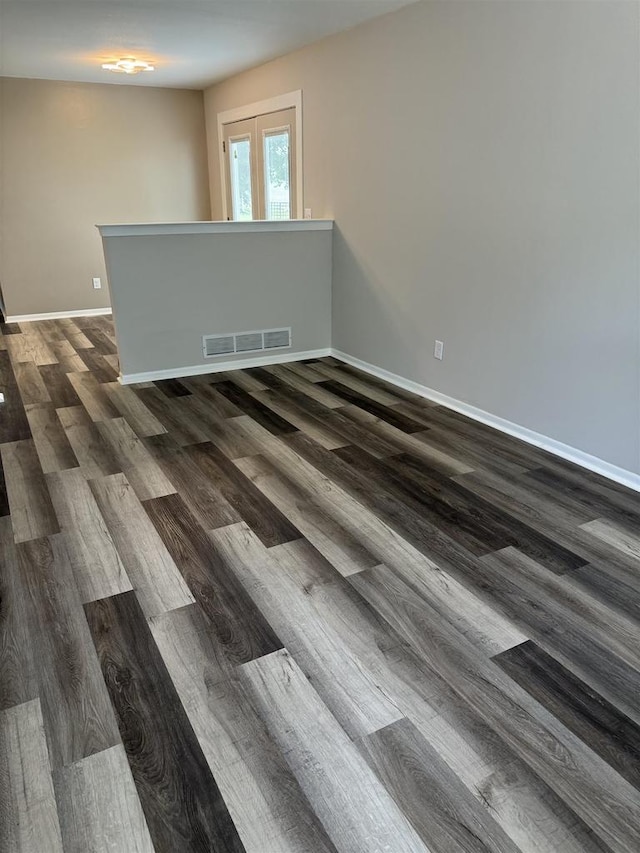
[73,155]
[480,160]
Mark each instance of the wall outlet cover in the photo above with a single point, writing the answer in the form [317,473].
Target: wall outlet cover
[97,284]
[438,350]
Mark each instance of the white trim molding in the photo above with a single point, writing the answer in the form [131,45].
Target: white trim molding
[558,448]
[222,227]
[259,108]
[233,364]
[58,315]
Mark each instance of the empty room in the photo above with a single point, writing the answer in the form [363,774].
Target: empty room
[319,426]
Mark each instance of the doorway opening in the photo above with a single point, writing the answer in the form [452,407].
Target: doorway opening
[261,163]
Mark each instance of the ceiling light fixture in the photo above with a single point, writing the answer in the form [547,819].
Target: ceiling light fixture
[128,65]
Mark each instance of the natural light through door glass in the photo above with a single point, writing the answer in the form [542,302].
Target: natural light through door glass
[276,175]
[240,156]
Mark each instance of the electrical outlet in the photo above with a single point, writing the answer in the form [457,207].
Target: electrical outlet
[438,350]
[97,284]
[307,213]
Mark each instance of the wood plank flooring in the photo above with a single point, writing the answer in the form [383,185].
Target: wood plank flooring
[295,609]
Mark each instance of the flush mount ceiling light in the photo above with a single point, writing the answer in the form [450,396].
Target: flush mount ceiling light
[128,65]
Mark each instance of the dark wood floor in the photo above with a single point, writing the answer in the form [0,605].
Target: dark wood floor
[295,609]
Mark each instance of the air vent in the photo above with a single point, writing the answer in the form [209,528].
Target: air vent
[276,338]
[218,345]
[242,342]
[249,342]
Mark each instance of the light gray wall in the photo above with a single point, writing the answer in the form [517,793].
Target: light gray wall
[169,291]
[73,154]
[481,162]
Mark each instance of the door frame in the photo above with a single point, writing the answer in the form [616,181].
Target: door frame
[270,105]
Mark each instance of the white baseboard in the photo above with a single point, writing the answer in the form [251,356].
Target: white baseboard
[219,366]
[565,451]
[58,315]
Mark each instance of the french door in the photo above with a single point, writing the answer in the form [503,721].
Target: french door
[260,167]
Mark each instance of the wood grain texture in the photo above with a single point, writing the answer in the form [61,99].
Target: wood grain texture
[230,435]
[402,442]
[356,810]
[391,415]
[74,416]
[30,383]
[199,493]
[176,420]
[140,419]
[583,710]
[100,368]
[77,339]
[364,386]
[134,460]
[305,371]
[97,567]
[474,618]
[18,683]
[473,454]
[617,588]
[78,717]
[28,817]
[255,409]
[32,513]
[100,341]
[217,405]
[340,547]
[443,812]
[61,348]
[290,375]
[13,423]
[331,616]
[172,388]
[52,445]
[182,804]
[568,766]
[267,805]
[30,347]
[354,432]
[527,810]
[266,520]
[607,659]
[96,458]
[240,630]
[585,487]
[520,503]
[93,398]
[99,807]
[619,536]
[461,514]
[158,584]
[300,418]
[312,609]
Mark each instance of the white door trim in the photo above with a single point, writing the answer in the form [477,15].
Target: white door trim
[270,105]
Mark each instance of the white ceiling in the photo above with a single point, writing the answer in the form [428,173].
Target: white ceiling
[192,42]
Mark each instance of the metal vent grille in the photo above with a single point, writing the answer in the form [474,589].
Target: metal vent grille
[277,338]
[242,342]
[218,345]
[249,341]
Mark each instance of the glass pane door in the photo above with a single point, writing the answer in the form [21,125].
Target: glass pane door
[239,151]
[241,193]
[277,185]
[260,166]
[276,164]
